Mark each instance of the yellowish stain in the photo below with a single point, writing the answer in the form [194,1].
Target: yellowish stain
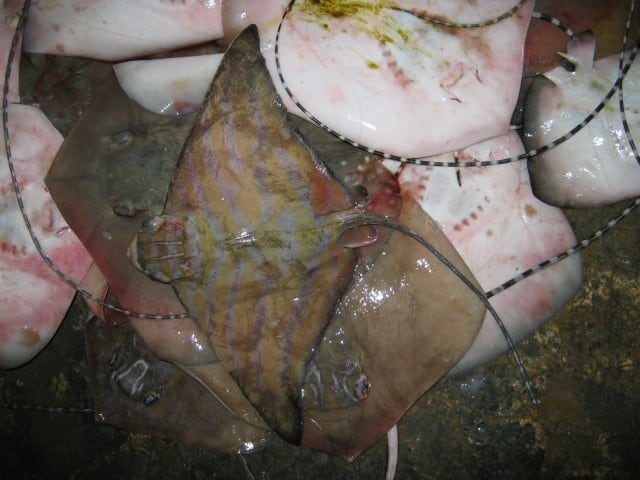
[60,385]
[530,210]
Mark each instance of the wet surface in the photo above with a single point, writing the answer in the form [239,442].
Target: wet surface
[583,365]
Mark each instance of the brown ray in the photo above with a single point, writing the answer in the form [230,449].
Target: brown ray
[403,323]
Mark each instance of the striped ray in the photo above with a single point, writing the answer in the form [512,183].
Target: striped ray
[250,237]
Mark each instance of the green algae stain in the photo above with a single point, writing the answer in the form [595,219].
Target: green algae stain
[375,19]
[360,12]
[339,8]
[404,34]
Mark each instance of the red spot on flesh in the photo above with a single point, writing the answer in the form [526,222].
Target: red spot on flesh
[28,337]
[398,73]
[11,248]
[466,222]
[184,108]
[336,95]
[453,75]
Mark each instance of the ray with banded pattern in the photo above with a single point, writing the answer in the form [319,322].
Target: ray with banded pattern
[250,236]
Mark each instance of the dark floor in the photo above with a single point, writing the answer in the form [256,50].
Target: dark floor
[584,366]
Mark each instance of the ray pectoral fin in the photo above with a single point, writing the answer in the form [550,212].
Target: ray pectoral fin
[166,248]
[361,236]
[266,343]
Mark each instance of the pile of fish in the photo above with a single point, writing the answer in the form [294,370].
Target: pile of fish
[285,273]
